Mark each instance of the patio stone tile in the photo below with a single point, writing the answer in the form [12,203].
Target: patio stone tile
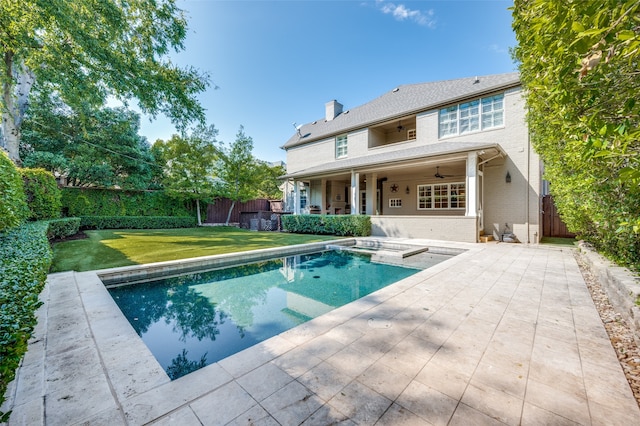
[263,381]
[297,361]
[30,412]
[606,384]
[324,380]
[494,403]
[454,357]
[255,356]
[328,415]
[255,416]
[563,404]
[292,404]
[465,415]
[376,343]
[385,380]
[431,405]
[122,356]
[361,404]
[350,362]
[403,361]
[345,333]
[147,406]
[444,378]
[323,346]
[397,415]
[223,405]
[423,349]
[183,416]
[514,356]
[506,381]
[78,399]
[536,416]
[67,369]
[29,384]
[563,334]
[614,413]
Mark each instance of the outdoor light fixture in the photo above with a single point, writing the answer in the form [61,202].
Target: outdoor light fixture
[508,178]
[407,190]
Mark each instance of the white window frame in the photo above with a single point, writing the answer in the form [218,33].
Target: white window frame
[395,203]
[341,146]
[441,196]
[476,115]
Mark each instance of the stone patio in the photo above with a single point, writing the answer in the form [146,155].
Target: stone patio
[501,334]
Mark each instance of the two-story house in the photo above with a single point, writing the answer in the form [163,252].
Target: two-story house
[447,160]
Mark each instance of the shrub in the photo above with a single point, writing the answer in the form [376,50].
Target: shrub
[78,202]
[43,195]
[13,206]
[63,228]
[342,225]
[136,222]
[26,257]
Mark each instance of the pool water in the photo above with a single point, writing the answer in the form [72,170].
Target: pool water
[194,320]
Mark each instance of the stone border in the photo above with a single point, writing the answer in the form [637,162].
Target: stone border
[620,284]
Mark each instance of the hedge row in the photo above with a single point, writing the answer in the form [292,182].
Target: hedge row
[13,205]
[63,228]
[77,202]
[136,222]
[342,225]
[26,257]
[43,195]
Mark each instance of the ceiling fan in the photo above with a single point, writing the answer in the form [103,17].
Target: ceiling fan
[438,175]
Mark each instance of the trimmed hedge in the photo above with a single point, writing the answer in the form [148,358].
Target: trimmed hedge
[43,195]
[26,258]
[77,202]
[136,222]
[342,225]
[13,205]
[63,228]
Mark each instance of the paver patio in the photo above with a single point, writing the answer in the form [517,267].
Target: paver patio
[501,334]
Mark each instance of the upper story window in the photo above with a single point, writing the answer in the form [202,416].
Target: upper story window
[472,116]
[341,146]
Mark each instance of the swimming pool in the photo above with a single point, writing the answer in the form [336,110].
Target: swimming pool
[192,320]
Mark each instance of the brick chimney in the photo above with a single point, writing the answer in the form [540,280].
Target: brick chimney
[333,109]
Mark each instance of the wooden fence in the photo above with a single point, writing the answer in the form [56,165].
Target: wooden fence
[218,211]
[552,224]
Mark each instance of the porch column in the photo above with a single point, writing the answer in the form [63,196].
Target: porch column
[296,197]
[355,192]
[323,197]
[372,202]
[472,184]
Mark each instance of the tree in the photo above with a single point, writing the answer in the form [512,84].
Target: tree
[270,181]
[190,162]
[87,50]
[102,149]
[579,65]
[238,172]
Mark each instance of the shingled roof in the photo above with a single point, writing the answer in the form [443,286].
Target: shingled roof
[401,101]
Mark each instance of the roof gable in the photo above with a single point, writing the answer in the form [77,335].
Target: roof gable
[403,100]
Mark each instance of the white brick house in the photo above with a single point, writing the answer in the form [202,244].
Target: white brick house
[446,160]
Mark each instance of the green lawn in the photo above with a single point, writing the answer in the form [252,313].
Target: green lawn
[122,247]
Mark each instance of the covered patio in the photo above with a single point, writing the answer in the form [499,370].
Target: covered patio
[432,191]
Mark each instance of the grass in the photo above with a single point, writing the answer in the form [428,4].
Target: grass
[559,241]
[113,248]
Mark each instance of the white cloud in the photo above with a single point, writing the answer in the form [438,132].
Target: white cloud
[401,13]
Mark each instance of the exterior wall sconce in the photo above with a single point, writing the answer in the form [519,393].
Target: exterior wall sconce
[407,190]
[507,178]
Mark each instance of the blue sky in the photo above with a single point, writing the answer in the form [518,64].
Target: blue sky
[279,62]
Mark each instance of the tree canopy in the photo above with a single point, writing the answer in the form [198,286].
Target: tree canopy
[190,164]
[94,147]
[88,50]
[578,62]
[238,172]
